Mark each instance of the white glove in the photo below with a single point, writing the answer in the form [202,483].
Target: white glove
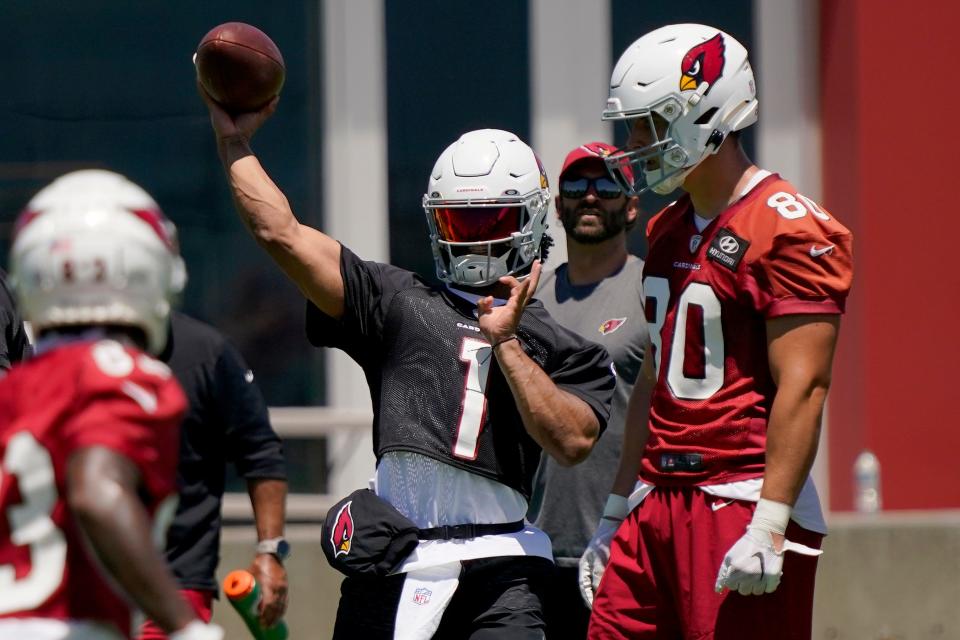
[196,630]
[595,557]
[752,566]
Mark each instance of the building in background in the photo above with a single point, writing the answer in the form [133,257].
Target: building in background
[382,85]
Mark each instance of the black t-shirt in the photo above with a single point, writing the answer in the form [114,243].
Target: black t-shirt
[226,420]
[14,345]
[436,387]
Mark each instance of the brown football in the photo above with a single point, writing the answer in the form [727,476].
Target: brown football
[239,66]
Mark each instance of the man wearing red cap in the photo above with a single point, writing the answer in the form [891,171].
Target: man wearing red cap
[597,294]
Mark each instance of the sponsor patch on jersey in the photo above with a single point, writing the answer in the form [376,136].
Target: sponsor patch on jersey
[342,535]
[727,248]
[612,325]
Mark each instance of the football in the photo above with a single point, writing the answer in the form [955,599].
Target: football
[239,66]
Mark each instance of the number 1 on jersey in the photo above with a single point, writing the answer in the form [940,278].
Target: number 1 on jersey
[476,353]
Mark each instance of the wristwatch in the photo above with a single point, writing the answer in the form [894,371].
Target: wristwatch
[278,547]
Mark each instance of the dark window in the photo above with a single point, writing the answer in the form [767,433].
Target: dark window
[111,85]
[451,68]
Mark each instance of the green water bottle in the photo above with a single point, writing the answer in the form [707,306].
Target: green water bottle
[243,592]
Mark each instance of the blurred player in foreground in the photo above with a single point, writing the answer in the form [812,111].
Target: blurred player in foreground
[89,427]
[745,282]
[469,382]
[596,293]
[226,420]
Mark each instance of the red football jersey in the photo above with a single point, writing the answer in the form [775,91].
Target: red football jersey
[708,296]
[79,395]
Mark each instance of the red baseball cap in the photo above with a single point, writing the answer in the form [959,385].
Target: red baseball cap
[596,151]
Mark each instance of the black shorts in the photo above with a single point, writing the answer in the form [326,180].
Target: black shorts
[497,598]
[566,613]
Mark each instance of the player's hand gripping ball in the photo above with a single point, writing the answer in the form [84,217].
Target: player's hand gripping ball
[239,66]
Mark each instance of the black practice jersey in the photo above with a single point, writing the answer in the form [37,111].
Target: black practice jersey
[226,420]
[435,384]
[13,339]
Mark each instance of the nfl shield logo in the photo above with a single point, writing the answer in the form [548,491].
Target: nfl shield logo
[695,242]
[422,596]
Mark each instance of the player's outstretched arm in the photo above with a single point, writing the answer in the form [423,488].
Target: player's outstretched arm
[102,494]
[310,258]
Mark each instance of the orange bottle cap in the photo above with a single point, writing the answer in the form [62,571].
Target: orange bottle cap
[238,583]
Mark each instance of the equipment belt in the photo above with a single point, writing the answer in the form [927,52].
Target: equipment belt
[465,531]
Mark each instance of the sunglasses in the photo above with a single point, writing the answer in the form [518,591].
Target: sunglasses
[603,186]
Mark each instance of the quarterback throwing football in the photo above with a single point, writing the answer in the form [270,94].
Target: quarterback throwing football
[469,382]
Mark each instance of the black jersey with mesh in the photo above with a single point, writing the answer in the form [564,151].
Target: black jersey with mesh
[408,337]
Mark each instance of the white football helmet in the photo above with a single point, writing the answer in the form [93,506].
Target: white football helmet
[486,205]
[93,248]
[699,81]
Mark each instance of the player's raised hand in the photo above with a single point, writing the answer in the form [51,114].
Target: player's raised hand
[272,578]
[239,125]
[499,323]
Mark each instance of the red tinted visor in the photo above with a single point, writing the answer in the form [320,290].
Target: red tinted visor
[477,224]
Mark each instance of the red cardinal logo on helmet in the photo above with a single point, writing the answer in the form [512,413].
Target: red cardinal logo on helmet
[342,535]
[612,325]
[703,63]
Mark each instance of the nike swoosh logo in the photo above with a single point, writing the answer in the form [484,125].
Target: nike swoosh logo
[816,253]
[716,506]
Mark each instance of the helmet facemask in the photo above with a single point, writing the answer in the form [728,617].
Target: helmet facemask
[659,166]
[475,243]
[486,208]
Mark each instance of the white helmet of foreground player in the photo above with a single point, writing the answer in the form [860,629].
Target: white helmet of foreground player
[93,248]
[486,207]
[696,83]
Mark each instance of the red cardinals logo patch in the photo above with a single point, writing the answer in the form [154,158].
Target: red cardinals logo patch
[703,63]
[611,325]
[342,535]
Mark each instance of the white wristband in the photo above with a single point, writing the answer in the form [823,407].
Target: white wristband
[616,508]
[771,516]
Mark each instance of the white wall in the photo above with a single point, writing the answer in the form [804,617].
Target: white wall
[569,76]
[354,162]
